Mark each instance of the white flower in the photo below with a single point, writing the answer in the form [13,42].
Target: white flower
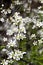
[41,51]
[4,50]
[40,11]
[2,19]
[4,39]
[33,26]
[35,43]
[12,43]
[12,20]
[41,1]
[10,55]
[41,33]
[39,24]
[22,28]
[14,28]
[27,20]
[9,11]
[17,17]
[11,6]
[18,54]
[20,36]
[32,36]
[9,32]
[2,5]
[11,61]
[40,41]
[5,12]
[4,62]
[39,7]
[16,14]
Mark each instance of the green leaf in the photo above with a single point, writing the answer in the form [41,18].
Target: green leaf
[22,45]
[21,63]
[1,47]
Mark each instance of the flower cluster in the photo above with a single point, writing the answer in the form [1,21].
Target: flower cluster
[15,30]
[19,32]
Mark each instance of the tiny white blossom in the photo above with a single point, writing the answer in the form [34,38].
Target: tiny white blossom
[40,41]
[41,51]
[39,24]
[41,1]
[2,19]
[9,11]
[32,36]
[14,28]
[39,7]
[33,26]
[4,50]
[12,20]
[35,43]
[3,11]
[11,6]
[40,32]
[18,54]
[40,11]
[10,55]
[20,36]
[2,5]
[12,43]
[22,28]
[4,62]
[9,32]
[4,39]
